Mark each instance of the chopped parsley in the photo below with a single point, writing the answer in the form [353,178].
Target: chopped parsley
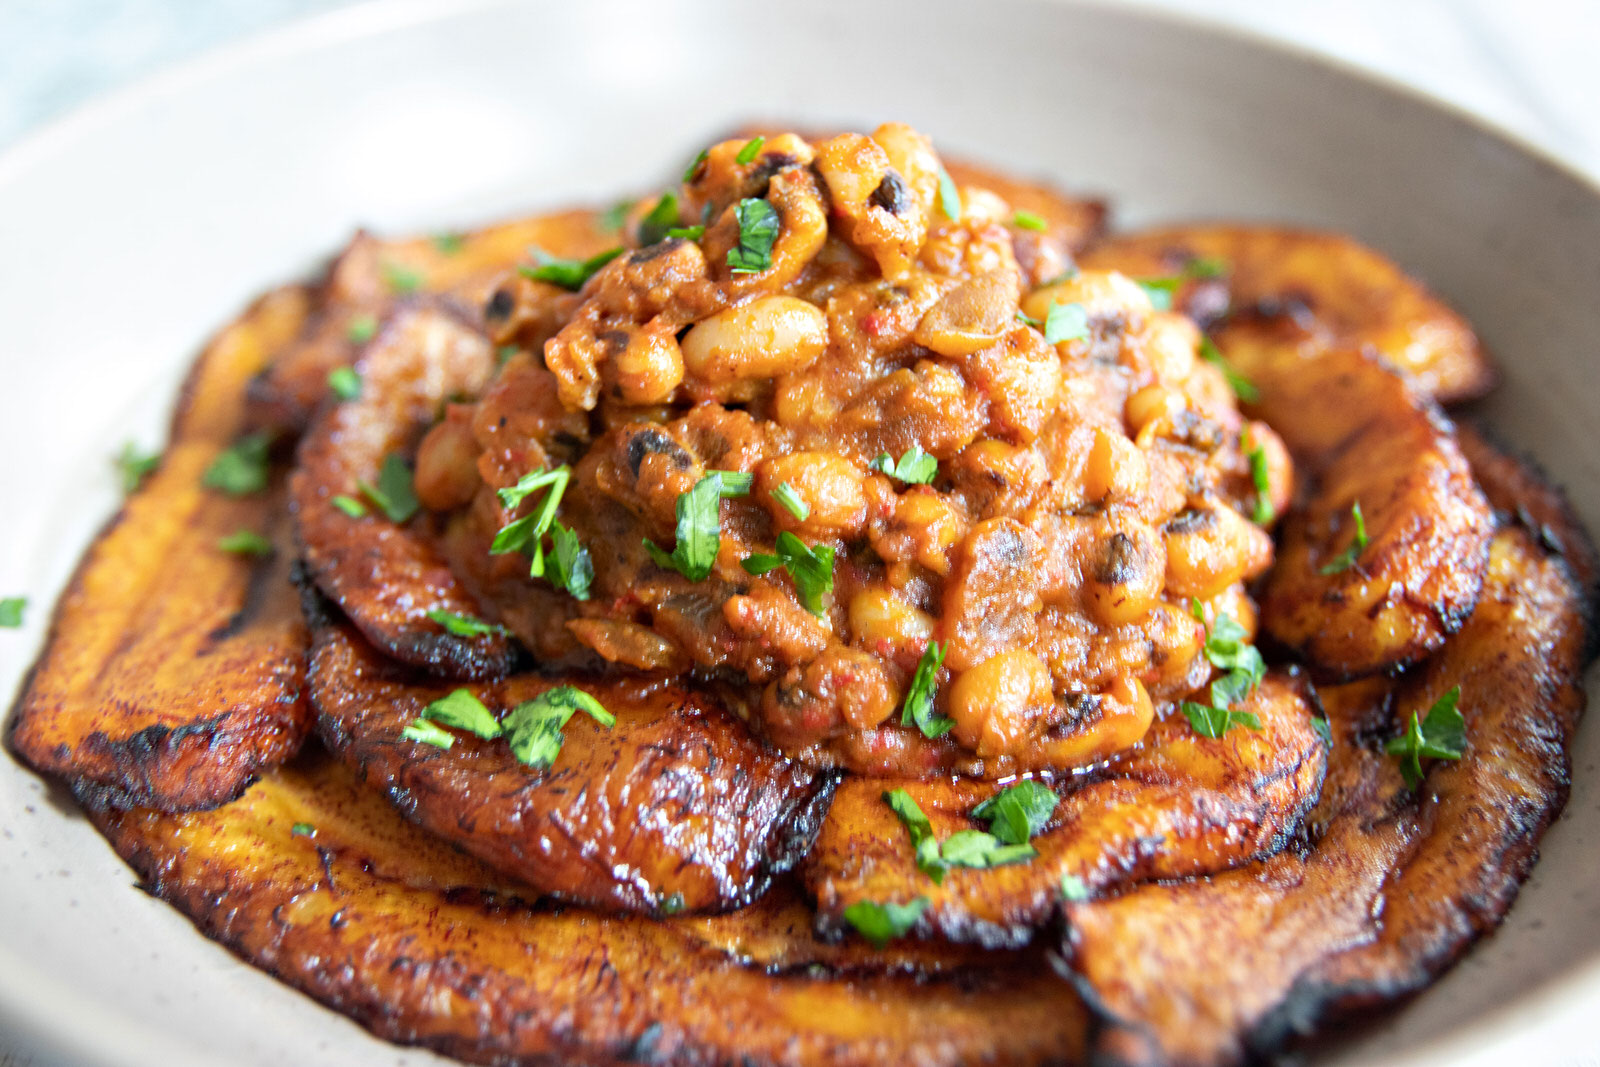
[1324,729]
[671,904]
[1228,649]
[810,568]
[923,843]
[1262,513]
[242,468]
[735,483]
[303,829]
[1066,322]
[350,506]
[751,149]
[964,848]
[345,383]
[612,218]
[699,531]
[464,625]
[571,567]
[1440,734]
[245,543]
[569,274]
[464,711]
[692,233]
[918,705]
[882,923]
[1242,387]
[791,500]
[661,220]
[1073,889]
[429,734]
[527,534]
[1019,813]
[534,728]
[1027,220]
[1347,559]
[758,232]
[949,196]
[694,165]
[504,353]
[447,243]
[1205,267]
[1160,290]
[134,466]
[1029,320]
[915,467]
[393,494]
[11,609]
[362,328]
[401,278]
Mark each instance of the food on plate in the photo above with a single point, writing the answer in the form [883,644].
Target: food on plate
[845,608]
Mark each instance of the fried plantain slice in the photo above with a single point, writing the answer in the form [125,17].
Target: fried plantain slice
[1364,436]
[380,921]
[1321,290]
[371,274]
[1400,882]
[675,808]
[173,670]
[385,574]
[1178,806]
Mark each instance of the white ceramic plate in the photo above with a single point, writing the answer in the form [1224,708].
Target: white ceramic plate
[131,230]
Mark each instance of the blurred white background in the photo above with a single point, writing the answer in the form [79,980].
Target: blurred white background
[1527,65]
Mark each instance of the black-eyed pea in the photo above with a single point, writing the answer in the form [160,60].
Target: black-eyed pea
[1211,548]
[885,625]
[1176,637]
[1125,713]
[854,683]
[1170,343]
[912,156]
[829,490]
[1101,293]
[931,525]
[1125,575]
[983,205]
[1114,469]
[649,368]
[447,462]
[1153,408]
[764,338]
[997,703]
[972,316]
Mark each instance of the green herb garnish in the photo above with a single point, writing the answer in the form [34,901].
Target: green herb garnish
[504,353]
[1205,267]
[134,466]
[915,467]
[345,383]
[1019,813]
[534,728]
[241,469]
[464,625]
[429,734]
[792,501]
[303,829]
[1324,729]
[1242,387]
[1262,513]
[964,848]
[350,506]
[447,243]
[361,329]
[401,278]
[245,543]
[1073,889]
[571,567]
[1228,649]
[1029,320]
[464,711]
[1027,220]
[1211,721]
[1066,322]
[810,568]
[882,923]
[612,218]
[923,844]
[660,221]
[1347,559]
[527,533]
[751,149]
[393,494]
[949,196]
[758,232]
[918,705]
[1160,290]
[569,274]
[699,531]
[694,165]
[11,609]
[735,483]
[1440,734]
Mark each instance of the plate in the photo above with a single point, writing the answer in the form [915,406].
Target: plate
[133,228]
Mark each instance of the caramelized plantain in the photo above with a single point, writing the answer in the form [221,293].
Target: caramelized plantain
[1319,290]
[378,920]
[675,807]
[173,671]
[371,274]
[1399,883]
[1178,806]
[386,575]
[1364,436]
